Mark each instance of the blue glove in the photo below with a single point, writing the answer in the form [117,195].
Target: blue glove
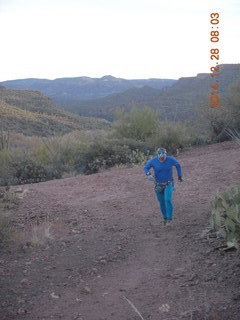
[180,179]
[150,177]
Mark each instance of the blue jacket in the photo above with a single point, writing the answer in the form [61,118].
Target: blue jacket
[163,170]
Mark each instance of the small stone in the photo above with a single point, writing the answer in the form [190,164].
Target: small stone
[164,308]
[25,282]
[21,301]
[86,290]
[220,279]
[103,261]
[76,231]
[21,311]
[236,297]
[54,296]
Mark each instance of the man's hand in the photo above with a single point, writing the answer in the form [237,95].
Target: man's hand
[180,179]
[150,177]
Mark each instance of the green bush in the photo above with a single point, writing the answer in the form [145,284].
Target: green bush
[138,124]
[5,170]
[28,170]
[225,216]
[171,136]
[60,156]
[110,152]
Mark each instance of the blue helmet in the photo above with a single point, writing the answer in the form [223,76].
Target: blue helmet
[161,153]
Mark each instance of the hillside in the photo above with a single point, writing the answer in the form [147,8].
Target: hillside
[32,113]
[180,101]
[92,247]
[106,107]
[64,90]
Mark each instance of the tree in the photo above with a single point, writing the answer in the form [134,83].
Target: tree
[138,124]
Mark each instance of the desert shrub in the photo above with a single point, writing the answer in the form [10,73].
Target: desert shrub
[5,227]
[24,167]
[227,116]
[172,136]
[110,152]
[7,201]
[233,103]
[138,124]
[225,216]
[218,120]
[4,167]
[61,154]
[143,125]
[28,170]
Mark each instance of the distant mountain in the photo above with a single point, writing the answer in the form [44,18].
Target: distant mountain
[63,90]
[31,113]
[181,101]
[105,107]
[99,97]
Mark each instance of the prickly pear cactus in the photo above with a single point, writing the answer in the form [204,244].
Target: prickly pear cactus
[225,216]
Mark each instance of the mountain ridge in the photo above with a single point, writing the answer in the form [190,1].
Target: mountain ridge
[83,88]
[181,101]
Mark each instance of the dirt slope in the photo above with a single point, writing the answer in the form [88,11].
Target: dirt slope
[107,248]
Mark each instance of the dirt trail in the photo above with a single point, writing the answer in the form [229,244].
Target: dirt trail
[107,245]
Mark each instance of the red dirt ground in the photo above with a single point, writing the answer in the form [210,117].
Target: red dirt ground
[106,251]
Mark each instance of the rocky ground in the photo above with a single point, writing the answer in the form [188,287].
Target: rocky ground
[93,247]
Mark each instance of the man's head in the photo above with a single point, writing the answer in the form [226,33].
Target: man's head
[161,154]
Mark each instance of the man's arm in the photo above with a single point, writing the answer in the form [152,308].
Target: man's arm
[147,167]
[178,167]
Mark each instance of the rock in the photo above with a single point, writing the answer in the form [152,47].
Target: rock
[86,290]
[236,297]
[25,282]
[164,308]
[21,311]
[54,296]
[103,261]
[76,231]
[220,278]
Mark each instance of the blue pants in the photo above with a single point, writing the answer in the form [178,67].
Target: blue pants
[165,201]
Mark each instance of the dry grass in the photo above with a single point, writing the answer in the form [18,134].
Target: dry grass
[5,227]
[36,234]
[134,308]
[8,201]
[234,134]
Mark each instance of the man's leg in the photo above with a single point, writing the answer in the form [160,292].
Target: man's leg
[161,200]
[168,201]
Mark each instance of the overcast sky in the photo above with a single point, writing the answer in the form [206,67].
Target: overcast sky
[130,39]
